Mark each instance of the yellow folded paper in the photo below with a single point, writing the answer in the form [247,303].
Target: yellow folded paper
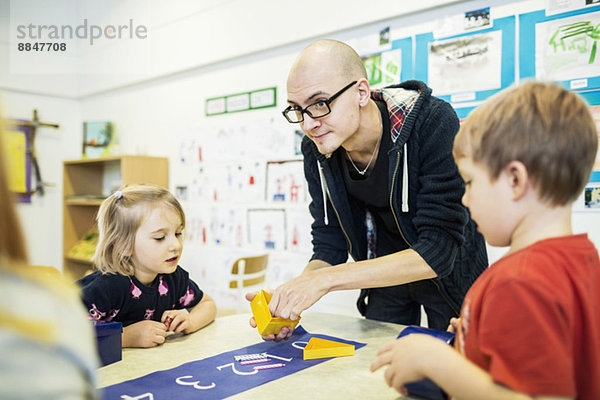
[322,348]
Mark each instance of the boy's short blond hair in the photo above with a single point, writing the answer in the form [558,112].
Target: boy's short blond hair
[546,127]
[120,216]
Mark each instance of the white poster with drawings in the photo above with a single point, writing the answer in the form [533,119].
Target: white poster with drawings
[237,182]
[244,139]
[567,48]
[226,226]
[284,267]
[465,64]
[197,224]
[285,181]
[299,238]
[266,228]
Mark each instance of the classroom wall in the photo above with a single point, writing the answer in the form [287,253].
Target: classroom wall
[161,110]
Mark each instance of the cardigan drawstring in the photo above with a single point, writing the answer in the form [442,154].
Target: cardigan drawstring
[324,191]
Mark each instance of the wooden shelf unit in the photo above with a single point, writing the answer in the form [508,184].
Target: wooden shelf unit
[86,182]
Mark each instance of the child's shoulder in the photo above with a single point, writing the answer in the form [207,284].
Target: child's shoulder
[551,260]
[97,278]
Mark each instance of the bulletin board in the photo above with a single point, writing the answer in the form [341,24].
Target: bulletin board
[471,66]
[563,48]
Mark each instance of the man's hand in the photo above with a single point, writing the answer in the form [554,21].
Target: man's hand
[144,334]
[295,296]
[284,333]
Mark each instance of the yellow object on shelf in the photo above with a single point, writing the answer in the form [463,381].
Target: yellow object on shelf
[266,323]
[85,248]
[322,348]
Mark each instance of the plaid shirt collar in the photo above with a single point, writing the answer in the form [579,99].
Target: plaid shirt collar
[400,103]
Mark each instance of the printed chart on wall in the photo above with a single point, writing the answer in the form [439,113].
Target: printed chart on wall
[470,66]
[563,48]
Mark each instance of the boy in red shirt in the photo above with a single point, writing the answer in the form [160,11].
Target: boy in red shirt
[530,324]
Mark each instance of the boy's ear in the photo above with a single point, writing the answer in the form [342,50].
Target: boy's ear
[518,179]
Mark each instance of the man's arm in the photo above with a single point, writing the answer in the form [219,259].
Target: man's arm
[295,296]
[417,357]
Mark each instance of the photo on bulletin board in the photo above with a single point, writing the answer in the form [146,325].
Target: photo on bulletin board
[16,141]
[562,48]
[391,66]
[470,66]
[589,201]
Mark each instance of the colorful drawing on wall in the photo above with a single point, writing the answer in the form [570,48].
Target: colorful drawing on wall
[266,228]
[562,47]
[226,226]
[468,67]
[250,139]
[473,62]
[298,225]
[285,181]
[389,66]
[18,159]
[97,137]
[384,69]
[568,48]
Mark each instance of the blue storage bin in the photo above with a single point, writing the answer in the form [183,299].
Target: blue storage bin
[108,336]
[426,388]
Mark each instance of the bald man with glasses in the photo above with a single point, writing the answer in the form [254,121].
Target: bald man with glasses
[385,190]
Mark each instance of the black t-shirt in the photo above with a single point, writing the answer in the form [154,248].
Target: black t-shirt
[124,299]
[372,192]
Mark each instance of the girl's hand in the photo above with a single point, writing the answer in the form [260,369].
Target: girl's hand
[146,333]
[176,321]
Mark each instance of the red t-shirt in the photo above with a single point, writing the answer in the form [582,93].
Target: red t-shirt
[532,320]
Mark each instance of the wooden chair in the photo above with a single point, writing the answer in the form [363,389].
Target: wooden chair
[246,272]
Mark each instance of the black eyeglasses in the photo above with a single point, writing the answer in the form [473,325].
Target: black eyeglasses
[295,114]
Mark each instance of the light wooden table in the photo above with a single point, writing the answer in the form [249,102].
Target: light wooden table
[338,378]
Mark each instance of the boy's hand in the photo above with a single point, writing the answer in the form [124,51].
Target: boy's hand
[176,321]
[403,357]
[284,333]
[146,333]
[454,324]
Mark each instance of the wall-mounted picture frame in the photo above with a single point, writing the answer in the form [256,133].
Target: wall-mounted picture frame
[97,136]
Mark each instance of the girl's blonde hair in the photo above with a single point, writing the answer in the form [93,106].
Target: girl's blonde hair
[546,127]
[120,216]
